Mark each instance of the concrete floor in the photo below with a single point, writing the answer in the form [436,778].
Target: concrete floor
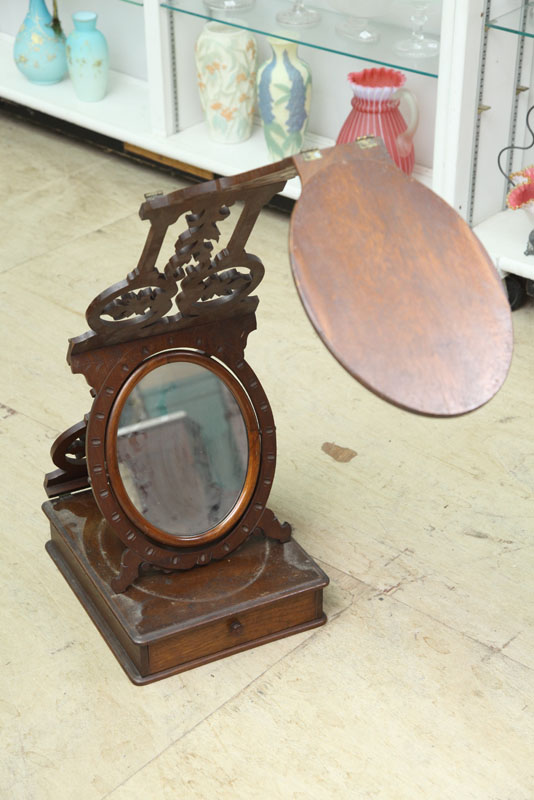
[420,685]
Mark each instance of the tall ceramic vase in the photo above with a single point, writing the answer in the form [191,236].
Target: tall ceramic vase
[375,112]
[88,59]
[39,50]
[284,99]
[226,71]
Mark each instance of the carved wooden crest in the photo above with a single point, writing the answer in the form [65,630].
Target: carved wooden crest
[199,307]
[197,284]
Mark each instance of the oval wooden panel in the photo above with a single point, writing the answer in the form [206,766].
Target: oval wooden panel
[399,289]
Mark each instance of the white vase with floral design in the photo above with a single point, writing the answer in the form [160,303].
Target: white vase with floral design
[284,99]
[226,70]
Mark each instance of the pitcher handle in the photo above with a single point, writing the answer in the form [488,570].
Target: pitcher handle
[404,140]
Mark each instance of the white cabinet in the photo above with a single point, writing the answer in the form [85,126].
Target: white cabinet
[507,90]
[153,100]
[125,113]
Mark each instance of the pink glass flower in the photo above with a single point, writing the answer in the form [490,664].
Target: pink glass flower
[523,176]
[520,195]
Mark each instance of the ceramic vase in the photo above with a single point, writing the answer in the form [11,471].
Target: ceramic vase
[39,50]
[226,71]
[87,58]
[375,112]
[284,99]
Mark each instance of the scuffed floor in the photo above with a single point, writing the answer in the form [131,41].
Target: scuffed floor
[421,685]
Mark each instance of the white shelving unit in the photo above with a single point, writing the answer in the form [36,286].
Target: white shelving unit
[124,114]
[510,93]
[505,236]
[153,104]
[153,101]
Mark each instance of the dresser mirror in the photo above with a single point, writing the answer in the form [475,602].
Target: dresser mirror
[182,448]
[158,511]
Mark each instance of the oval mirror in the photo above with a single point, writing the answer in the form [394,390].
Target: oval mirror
[183,448]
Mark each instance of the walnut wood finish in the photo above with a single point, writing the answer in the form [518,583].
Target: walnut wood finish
[396,284]
[400,292]
[227,341]
[213,315]
[271,527]
[68,454]
[207,288]
[164,624]
[254,449]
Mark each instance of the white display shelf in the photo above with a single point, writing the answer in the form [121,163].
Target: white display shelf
[515,21]
[261,19]
[123,114]
[505,237]
[194,146]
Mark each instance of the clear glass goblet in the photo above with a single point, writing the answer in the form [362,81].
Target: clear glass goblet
[229,5]
[356,24]
[299,16]
[419,44]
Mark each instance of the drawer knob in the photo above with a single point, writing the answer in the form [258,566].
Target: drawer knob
[235,626]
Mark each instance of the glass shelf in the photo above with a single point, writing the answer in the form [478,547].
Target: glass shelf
[512,21]
[262,19]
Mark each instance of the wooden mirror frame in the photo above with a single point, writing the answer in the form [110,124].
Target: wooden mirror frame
[205,303]
[367,279]
[226,343]
[212,312]
[250,421]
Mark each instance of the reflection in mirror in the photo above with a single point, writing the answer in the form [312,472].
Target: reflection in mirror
[182,448]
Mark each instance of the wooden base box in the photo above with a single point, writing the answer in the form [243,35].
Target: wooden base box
[167,623]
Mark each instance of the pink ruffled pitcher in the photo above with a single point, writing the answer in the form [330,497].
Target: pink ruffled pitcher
[375,112]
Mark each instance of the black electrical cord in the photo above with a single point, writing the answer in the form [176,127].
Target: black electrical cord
[516,147]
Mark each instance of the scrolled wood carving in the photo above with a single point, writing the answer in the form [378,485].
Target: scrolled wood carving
[68,454]
[196,284]
[68,450]
[211,282]
[200,300]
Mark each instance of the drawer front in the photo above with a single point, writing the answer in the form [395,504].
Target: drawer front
[235,630]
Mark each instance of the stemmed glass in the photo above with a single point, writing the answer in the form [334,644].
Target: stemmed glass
[229,5]
[419,45]
[356,24]
[298,16]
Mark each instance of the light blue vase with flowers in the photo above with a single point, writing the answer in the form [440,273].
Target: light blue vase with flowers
[284,99]
[88,58]
[39,49]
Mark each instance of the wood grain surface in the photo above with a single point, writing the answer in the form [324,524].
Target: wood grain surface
[165,624]
[397,286]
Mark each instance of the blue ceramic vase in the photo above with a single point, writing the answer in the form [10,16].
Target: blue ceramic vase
[39,50]
[284,99]
[87,58]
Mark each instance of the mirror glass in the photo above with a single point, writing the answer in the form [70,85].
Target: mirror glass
[182,448]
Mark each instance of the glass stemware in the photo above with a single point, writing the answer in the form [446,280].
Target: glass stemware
[299,16]
[359,28]
[419,44]
[229,5]
[356,24]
